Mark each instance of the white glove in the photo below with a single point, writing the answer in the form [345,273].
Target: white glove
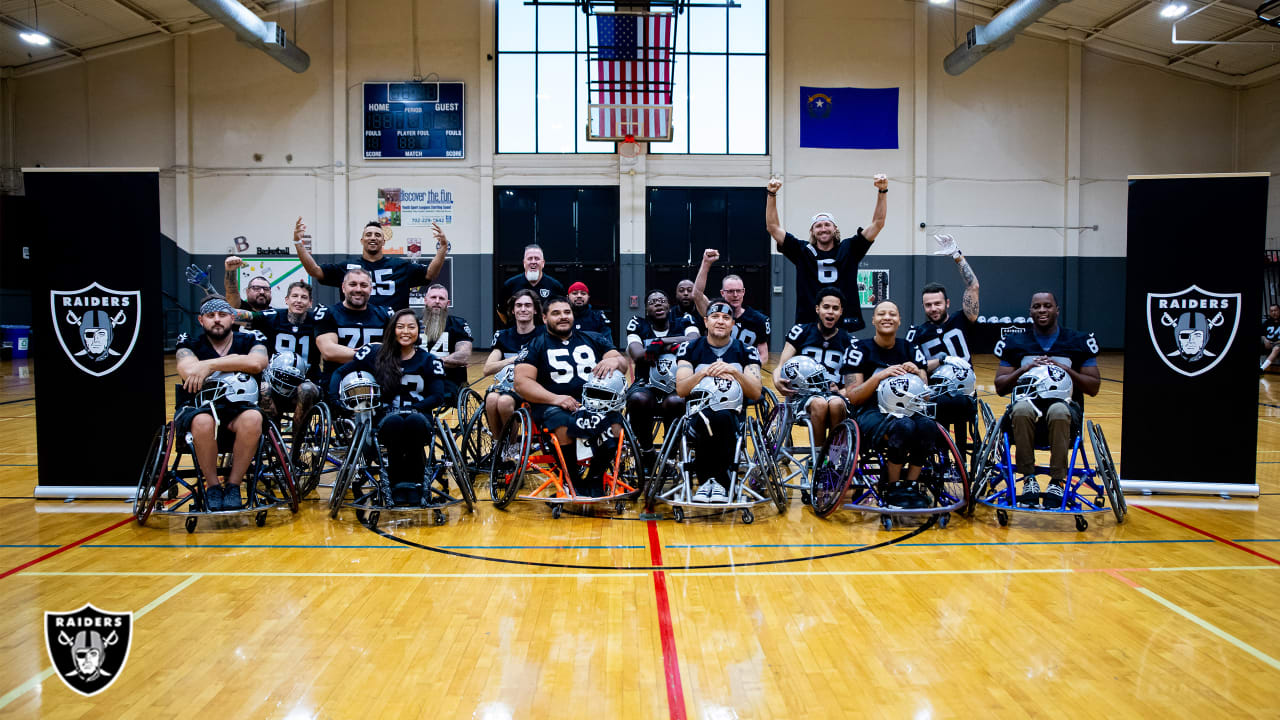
[946,246]
[957,362]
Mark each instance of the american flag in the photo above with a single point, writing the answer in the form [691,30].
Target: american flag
[633,67]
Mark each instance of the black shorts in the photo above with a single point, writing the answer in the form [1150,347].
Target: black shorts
[226,414]
[592,427]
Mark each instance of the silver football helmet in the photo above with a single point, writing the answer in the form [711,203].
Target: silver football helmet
[286,372]
[904,396]
[505,380]
[1043,382]
[713,393]
[607,394]
[228,387]
[806,375]
[954,377]
[360,392]
[662,373]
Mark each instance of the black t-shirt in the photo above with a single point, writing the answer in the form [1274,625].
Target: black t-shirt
[242,343]
[832,353]
[640,330]
[548,287]
[700,353]
[511,342]
[392,278]
[1271,329]
[456,330]
[355,328]
[1076,349]
[421,378]
[589,319]
[936,340]
[867,358]
[564,365]
[752,327]
[281,335]
[817,268]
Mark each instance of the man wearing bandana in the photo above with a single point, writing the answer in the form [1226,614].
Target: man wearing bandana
[533,278]
[825,258]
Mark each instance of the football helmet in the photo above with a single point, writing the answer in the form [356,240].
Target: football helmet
[714,393]
[235,388]
[1043,382]
[360,392]
[662,373]
[505,380]
[607,394]
[286,372]
[904,396]
[953,377]
[806,375]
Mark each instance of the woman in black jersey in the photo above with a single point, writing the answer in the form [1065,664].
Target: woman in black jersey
[412,383]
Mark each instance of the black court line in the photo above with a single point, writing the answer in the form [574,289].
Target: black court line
[565,566]
[10,402]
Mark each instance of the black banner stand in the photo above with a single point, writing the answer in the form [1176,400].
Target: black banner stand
[1193,309]
[97,327]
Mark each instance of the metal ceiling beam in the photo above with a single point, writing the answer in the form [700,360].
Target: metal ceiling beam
[61,46]
[142,15]
[1115,19]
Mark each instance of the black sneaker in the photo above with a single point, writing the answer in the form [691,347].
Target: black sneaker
[212,499]
[1030,496]
[231,497]
[1052,496]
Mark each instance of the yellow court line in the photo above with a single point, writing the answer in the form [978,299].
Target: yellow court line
[43,675]
[1214,629]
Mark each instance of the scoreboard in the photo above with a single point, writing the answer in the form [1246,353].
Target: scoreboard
[414,120]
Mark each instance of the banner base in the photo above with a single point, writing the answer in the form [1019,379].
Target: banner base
[73,492]
[1190,488]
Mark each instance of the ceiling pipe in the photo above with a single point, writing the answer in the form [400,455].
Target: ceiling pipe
[998,34]
[253,31]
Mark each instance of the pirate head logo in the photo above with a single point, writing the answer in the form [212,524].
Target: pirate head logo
[899,385]
[88,647]
[724,385]
[96,326]
[1192,329]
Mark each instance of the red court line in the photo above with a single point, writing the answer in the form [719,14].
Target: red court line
[1208,534]
[65,548]
[670,663]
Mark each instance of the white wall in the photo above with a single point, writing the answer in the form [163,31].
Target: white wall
[996,144]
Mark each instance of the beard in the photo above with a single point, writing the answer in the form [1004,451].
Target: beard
[218,334]
[433,322]
[533,276]
[265,304]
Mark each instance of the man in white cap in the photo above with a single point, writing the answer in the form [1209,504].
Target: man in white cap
[825,258]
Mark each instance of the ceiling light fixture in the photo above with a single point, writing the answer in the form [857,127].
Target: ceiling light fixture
[1173,10]
[34,36]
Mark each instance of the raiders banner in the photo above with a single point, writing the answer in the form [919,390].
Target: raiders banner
[1192,319]
[98,339]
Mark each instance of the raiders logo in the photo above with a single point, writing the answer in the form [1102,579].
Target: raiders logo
[899,385]
[1009,330]
[724,385]
[88,647]
[96,326]
[1192,329]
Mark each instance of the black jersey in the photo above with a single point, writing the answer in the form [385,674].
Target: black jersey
[817,268]
[640,330]
[752,327]
[392,278]
[280,334]
[456,330]
[692,314]
[511,342]
[355,328]
[867,358]
[591,320]
[1271,329]
[548,287]
[832,353]
[1075,349]
[421,379]
[242,343]
[564,365]
[700,353]
[936,340]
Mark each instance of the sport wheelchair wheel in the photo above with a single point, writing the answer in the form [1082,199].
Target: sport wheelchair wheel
[310,448]
[763,460]
[468,402]
[835,468]
[453,469]
[274,470]
[1106,470]
[154,467]
[351,467]
[477,442]
[510,458]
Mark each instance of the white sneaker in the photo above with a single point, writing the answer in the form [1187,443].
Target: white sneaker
[704,492]
[718,495]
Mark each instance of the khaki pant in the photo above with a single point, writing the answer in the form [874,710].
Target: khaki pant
[1058,418]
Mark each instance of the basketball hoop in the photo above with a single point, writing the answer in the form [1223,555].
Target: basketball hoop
[628,148]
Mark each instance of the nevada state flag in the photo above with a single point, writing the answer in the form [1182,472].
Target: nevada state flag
[859,118]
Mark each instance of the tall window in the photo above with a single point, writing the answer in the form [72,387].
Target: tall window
[720,94]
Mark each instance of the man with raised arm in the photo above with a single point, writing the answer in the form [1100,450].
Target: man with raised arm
[392,277]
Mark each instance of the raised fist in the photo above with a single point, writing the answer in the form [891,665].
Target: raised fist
[775,185]
[233,262]
[710,255]
[881,181]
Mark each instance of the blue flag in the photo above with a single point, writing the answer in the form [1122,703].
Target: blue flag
[862,118]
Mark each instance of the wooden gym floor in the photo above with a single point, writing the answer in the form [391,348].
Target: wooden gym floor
[515,615]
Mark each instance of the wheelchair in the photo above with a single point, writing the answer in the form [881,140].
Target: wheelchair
[753,477]
[475,435]
[527,457]
[795,460]
[1087,488]
[169,486]
[363,472]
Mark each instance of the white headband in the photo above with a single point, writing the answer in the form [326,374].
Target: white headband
[823,216]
